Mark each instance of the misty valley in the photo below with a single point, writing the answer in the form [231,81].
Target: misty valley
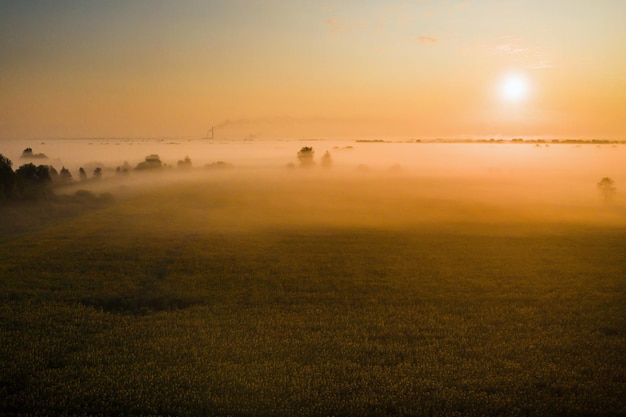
[318,278]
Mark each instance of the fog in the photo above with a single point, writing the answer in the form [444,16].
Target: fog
[263,183]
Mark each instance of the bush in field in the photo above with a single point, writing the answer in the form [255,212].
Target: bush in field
[305,156]
[86,196]
[7,178]
[82,174]
[607,189]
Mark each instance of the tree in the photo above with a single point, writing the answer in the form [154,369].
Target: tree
[152,162]
[7,178]
[607,189]
[82,174]
[327,160]
[28,153]
[124,169]
[97,173]
[36,174]
[185,163]
[65,176]
[33,181]
[53,173]
[305,156]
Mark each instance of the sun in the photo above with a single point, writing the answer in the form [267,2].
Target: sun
[514,87]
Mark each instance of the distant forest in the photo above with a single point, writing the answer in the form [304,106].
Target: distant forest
[514,140]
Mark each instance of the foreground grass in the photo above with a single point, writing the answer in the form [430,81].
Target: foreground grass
[135,310]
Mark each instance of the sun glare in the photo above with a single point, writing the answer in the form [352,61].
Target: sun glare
[514,87]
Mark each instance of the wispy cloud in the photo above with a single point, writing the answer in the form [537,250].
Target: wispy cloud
[380,19]
[427,39]
[510,49]
[542,65]
[424,40]
[334,25]
[345,25]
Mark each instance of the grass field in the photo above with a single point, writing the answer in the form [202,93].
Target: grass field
[274,302]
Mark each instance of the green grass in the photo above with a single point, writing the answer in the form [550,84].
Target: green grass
[153,307]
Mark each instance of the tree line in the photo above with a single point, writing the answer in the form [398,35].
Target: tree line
[34,181]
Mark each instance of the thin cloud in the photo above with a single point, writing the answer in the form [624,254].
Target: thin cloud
[427,39]
[542,65]
[333,25]
[508,48]
[338,26]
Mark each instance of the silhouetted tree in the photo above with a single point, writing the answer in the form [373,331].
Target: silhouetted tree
[33,181]
[30,172]
[7,178]
[305,156]
[185,163]
[606,186]
[152,162]
[53,173]
[82,174]
[124,169]
[65,176]
[28,153]
[97,173]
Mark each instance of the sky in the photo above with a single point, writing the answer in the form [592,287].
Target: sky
[313,69]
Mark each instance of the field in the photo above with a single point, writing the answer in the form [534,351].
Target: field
[315,295]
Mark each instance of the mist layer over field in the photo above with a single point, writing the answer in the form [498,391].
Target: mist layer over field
[244,184]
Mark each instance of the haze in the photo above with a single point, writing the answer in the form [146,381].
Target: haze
[238,185]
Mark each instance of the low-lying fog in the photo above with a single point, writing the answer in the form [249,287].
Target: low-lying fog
[264,182]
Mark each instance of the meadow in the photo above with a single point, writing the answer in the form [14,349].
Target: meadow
[349,292]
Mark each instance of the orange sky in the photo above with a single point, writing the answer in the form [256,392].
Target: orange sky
[304,69]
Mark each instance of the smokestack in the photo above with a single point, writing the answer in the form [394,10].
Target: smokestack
[209,134]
